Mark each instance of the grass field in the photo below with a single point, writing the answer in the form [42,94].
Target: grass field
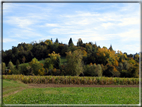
[15,92]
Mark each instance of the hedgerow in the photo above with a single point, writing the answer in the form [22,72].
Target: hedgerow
[73,80]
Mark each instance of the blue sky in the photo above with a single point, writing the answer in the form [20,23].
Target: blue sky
[104,23]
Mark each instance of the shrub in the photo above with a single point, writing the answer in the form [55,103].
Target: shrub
[36,67]
[48,63]
[25,69]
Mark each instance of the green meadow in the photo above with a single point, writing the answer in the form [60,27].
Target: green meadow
[16,92]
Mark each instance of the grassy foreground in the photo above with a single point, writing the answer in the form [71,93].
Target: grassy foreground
[68,95]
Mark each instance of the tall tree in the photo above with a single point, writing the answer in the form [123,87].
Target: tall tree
[17,64]
[79,43]
[110,48]
[3,67]
[74,63]
[70,42]
[56,41]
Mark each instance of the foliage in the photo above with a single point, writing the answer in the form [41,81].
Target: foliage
[79,43]
[3,68]
[74,63]
[70,42]
[48,63]
[73,80]
[41,71]
[17,64]
[25,69]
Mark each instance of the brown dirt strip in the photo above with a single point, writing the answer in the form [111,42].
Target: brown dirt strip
[75,85]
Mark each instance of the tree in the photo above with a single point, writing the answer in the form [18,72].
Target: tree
[70,42]
[74,63]
[98,70]
[17,64]
[110,48]
[48,63]
[79,43]
[3,67]
[11,66]
[55,59]
[36,66]
[56,41]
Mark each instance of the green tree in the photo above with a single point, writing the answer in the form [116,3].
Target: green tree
[110,48]
[11,66]
[98,70]
[17,64]
[70,42]
[74,63]
[35,66]
[56,41]
[3,67]
[48,63]
[79,43]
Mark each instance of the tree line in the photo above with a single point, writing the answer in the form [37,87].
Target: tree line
[86,59]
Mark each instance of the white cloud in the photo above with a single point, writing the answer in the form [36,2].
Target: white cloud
[130,21]
[19,21]
[96,25]
[51,25]
[131,35]
[107,25]
[7,40]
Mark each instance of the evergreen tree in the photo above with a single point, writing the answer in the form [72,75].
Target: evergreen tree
[56,40]
[79,43]
[51,40]
[110,48]
[70,42]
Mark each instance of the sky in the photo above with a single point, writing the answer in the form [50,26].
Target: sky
[116,24]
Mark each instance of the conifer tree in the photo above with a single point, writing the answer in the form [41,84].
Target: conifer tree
[110,48]
[70,42]
[56,40]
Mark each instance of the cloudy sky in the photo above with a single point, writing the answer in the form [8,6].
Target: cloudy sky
[104,23]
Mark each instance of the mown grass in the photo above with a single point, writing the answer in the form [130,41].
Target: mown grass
[72,95]
[75,95]
[10,86]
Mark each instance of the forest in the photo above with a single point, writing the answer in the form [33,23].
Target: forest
[83,59]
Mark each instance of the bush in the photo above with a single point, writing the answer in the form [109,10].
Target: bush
[25,69]
[35,68]
[93,70]
[48,63]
